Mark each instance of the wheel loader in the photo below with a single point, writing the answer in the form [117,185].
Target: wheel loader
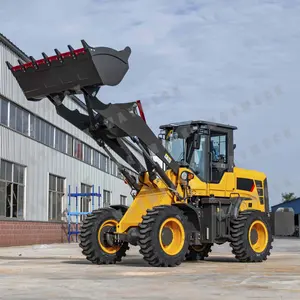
[192,198]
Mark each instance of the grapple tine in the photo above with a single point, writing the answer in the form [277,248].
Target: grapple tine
[59,56]
[46,58]
[21,64]
[34,62]
[9,65]
[72,51]
[57,52]
[70,48]
[85,45]
[71,72]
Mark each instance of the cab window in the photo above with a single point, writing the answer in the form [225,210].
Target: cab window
[218,147]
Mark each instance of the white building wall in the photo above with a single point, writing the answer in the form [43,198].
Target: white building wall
[39,159]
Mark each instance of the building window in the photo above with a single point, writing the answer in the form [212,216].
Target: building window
[77,149]
[35,128]
[104,163]
[123,200]
[56,194]
[41,131]
[18,119]
[114,168]
[3,112]
[87,152]
[13,116]
[49,135]
[85,201]
[106,198]
[11,189]
[96,159]
[69,145]
[60,140]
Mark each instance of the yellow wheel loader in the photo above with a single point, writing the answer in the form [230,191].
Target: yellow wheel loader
[189,200]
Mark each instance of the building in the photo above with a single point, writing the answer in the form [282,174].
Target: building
[41,156]
[295,206]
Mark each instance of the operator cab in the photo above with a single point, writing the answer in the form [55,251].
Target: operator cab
[204,147]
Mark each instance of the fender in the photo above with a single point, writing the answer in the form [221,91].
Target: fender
[191,212]
[120,207]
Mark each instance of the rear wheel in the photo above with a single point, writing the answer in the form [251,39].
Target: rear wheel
[93,239]
[198,252]
[251,237]
[163,237]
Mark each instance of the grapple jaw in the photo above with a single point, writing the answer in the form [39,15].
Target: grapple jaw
[70,72]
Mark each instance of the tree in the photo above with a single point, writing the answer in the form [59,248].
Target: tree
[288,197]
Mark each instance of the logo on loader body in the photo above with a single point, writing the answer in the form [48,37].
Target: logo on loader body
[168,158]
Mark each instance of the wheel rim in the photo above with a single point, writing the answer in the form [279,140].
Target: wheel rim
[101,240]
[171,236]
[258,236]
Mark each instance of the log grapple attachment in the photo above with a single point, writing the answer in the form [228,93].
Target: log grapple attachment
[69,72]
[85,71]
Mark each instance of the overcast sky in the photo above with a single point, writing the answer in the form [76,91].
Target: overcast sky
[234,61]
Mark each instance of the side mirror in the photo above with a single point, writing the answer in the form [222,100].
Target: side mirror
[234,146]
[196,141]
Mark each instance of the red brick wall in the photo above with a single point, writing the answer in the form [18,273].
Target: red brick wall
[21,233]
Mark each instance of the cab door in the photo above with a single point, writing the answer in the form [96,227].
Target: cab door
[221,177]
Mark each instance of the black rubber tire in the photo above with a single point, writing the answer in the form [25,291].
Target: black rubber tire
[149,237]
[199,254]
[89,237]
[240,244]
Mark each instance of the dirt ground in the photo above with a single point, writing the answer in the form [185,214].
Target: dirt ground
[61,272]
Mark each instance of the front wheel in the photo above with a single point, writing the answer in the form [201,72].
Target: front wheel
[93,239]
[163,236]
[251,237]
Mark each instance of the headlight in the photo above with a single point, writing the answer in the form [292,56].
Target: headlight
[186,176]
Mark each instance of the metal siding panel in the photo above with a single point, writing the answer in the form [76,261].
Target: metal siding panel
[8,86]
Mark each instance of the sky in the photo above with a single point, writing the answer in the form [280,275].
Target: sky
[236,62]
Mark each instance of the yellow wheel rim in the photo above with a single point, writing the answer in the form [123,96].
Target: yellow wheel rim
[171,236]
[106,248]
[258,236]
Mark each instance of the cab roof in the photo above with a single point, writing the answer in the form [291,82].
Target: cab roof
[199,122]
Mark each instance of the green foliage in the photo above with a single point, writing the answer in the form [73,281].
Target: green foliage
[288,197]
